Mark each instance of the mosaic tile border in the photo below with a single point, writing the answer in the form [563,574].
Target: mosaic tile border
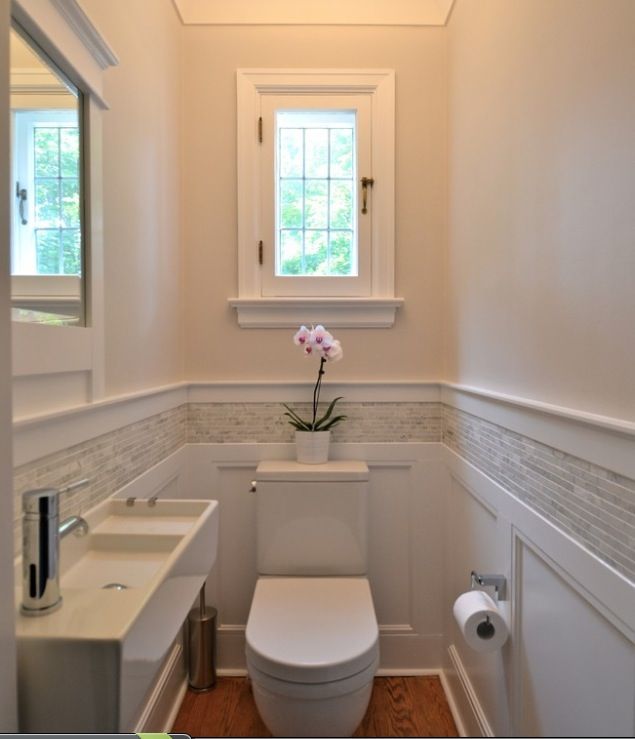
[109,462]
[225,423]
[593,505]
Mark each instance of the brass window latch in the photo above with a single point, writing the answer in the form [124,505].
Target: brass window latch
[366,183]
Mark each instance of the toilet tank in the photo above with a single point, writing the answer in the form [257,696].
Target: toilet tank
[312,519]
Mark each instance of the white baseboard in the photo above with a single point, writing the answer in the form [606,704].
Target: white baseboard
[468,699]
[455,710]
[402,650]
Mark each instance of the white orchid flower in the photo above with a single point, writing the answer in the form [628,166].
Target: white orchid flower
[320,336]
[302,336]
[317,342]
[333,352]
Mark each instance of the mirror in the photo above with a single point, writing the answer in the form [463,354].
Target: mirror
[47,228]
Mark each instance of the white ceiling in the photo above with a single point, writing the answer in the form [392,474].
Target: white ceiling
[315,12]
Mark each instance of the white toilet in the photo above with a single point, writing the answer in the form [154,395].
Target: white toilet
[312,640]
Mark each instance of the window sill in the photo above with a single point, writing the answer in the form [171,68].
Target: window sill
[333,312]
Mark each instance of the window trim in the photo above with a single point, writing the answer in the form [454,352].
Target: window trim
[379,306]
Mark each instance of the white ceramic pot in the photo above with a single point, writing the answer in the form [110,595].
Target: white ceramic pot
[312,447]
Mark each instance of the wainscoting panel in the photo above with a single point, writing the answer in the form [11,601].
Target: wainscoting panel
[407,484]
[568,668]
[475,541]
[576,671]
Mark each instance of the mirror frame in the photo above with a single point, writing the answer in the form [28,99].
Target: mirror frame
[83,172]
[65,365]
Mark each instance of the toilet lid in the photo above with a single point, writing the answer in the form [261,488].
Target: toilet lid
[312,629]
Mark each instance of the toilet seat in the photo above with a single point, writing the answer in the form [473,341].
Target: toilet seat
[312,629]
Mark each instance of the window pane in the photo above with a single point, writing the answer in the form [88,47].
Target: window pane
[291,253]
[316,193]
[316,142]
[71,251]
[46,152]
[69,152]
[291,203]
[341,204]
[341,262]
[316,204]
[316,256]
[70,202]
[342,152]
[291,153]
[47,244]
[47,203]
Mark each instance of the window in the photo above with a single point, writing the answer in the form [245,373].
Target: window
[316,198]
[315,240]
[316,214]
[47,236]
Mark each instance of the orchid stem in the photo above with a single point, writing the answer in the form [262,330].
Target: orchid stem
[316,391]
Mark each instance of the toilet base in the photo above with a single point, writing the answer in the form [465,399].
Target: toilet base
[320,709]
[305,717]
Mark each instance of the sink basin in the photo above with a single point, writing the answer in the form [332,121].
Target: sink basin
[130,560]
[109,643]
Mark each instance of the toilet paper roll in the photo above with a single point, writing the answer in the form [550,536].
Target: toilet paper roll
[480,621]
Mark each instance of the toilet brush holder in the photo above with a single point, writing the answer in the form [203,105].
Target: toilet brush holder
[201,644]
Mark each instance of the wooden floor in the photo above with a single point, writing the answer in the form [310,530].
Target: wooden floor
[400,706]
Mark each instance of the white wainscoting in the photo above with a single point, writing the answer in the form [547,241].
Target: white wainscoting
[407,483]
[569,665]
[568,668]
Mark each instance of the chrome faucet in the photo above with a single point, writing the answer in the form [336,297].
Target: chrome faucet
[41,534]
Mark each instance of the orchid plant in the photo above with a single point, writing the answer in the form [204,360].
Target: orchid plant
[317,342]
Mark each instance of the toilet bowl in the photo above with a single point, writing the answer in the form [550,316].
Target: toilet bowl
[312,652]
[312,640]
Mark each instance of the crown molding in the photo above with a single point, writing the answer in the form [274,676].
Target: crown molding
[95,43]
[326,12]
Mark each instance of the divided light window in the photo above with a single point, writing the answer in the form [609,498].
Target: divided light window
[316,197]
[47,232]
[316,240]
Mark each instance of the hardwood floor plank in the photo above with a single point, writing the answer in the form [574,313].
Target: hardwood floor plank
[399,706]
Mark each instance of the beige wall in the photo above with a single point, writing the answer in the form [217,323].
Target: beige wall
[216,348]
[541,262]
[142,136]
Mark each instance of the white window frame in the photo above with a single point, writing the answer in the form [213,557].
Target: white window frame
[378,307]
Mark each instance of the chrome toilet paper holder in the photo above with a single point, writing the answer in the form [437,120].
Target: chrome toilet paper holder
[498,582]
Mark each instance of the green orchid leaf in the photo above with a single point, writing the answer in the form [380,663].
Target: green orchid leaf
[328,413]
[333,422]
[293,414]
[300,425]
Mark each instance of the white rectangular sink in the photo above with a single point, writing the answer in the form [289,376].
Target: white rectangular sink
[111,642]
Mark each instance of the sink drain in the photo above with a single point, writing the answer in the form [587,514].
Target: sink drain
[114,586]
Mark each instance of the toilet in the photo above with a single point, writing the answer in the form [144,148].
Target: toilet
[312,641]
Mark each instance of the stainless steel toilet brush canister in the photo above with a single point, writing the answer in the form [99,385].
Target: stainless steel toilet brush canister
[201,635]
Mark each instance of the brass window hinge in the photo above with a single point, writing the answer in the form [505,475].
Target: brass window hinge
[260,130]
[260,253]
